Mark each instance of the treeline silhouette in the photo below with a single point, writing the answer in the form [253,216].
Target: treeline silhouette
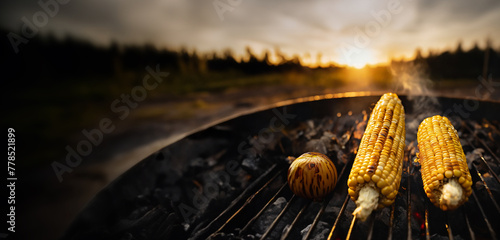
[459,64]
[46,60]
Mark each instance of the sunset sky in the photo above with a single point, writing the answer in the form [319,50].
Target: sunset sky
[345,32]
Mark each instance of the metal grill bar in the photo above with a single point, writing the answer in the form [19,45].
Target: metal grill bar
[490,125]
[492,233]
[370,230]
[278,217]
[244,229]
[316,219]
[481,141]
[351,227]
[294,221]
[471,232]
[448,227]
[486,164]
[487,189]
[334,227]
[427,235]
[391,223]
[450,233]
[248,201]
[489,168]
[408,199]
[204,231]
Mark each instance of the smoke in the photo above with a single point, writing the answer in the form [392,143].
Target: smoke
[411,79]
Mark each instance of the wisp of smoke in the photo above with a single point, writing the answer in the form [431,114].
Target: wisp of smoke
[411,80]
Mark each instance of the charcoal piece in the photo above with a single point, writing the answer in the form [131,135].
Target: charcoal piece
[127,236]
[342,157]
[327,140]
[315,145]
[439,237]
[198,163]
[320,231]
[310,131]
[251,164]
[400,224]
[331,213]
[265,220]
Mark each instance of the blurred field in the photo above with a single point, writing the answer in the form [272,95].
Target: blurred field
[57,114]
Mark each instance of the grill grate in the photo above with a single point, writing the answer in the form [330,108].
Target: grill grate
[435,222]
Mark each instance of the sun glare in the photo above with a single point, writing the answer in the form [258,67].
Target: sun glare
[360,59]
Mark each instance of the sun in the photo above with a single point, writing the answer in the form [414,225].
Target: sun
[360,58]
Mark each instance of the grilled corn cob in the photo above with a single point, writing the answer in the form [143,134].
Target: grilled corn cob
[446,177]
[376,172]
[312,175]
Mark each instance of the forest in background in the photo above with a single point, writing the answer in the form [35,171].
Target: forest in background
[56,87]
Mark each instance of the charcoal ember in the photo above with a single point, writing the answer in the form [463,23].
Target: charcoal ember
[326,124]
[325,143]
[384,215]
[174,193]
[492,184]
[220,178]
[311,131]
[328,139]
[360,127]
[127,236]
[265,220]
[415,163]
[440,237]
[198,163]
[344,219]
[299,146]
[331,213]
[225,236]
[157,223]
[316,145]
[344,139]
[144,198]
[412,148]
[266,140]
[400,224]
[342,157]
[139,212]
[296,131]
[250,237]
[320,231]
[251,164]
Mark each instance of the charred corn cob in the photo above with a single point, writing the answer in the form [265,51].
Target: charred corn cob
[312,175]
[376,172]
[445,174]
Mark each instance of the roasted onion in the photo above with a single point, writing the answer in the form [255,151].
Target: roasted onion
[312,175]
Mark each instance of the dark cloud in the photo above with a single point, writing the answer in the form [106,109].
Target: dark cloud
[296,26]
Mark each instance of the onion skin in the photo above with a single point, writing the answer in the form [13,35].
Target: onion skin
[312,175]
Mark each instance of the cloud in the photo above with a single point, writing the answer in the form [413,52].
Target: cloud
[295,26]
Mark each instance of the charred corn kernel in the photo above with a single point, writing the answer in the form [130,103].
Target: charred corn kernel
[312,175]
[376,173]
[449,186]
